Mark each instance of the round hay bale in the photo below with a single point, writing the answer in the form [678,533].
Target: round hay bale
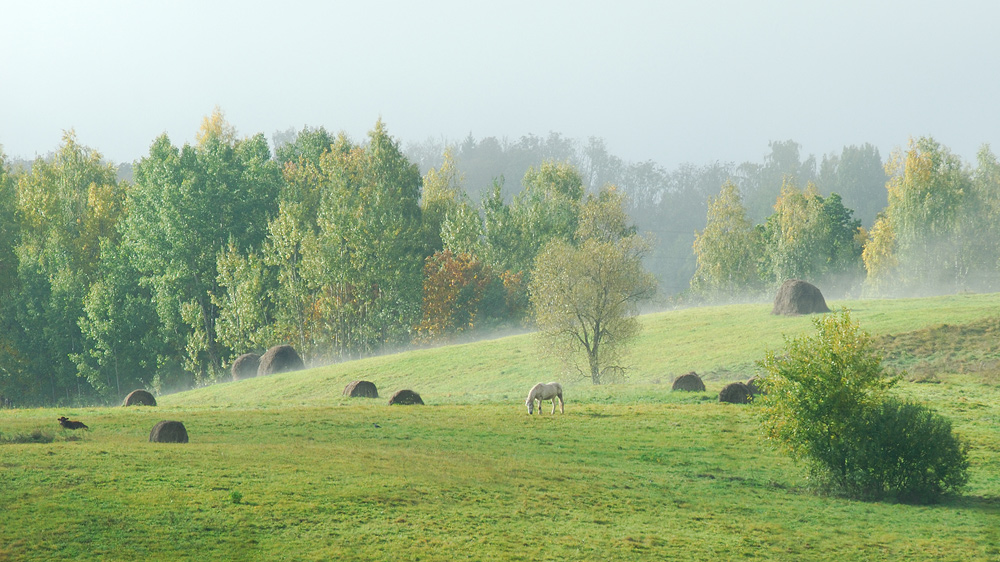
[735,393]
[279,359]
[139,398]
[690,382]
[796,296]
[245,366]
[755,388]
[168,432]
[405,397]
[361,389]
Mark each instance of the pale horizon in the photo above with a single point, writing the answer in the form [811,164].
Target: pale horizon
[671,82]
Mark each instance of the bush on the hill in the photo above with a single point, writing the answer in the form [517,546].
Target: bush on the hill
[908,451]
[826,403]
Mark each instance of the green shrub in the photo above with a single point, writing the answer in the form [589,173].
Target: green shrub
[818,389]
[827,404]
[907,451]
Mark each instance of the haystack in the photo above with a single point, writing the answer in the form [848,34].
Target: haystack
[735,393]
[245,366]
[361,389]
[168,432]
[798,297]
[690,382]
[279,359]
[405,397]
[139,398]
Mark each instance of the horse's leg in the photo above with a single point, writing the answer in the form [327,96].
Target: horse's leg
[562,410]
[553,405]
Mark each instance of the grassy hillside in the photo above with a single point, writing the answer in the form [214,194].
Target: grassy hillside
[721,343]
[284,467]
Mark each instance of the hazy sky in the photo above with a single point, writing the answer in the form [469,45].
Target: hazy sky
[671,81]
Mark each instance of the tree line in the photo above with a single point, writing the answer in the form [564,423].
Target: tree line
[344,249]
[670,204]
[938,233]
[919,222]
[219,247]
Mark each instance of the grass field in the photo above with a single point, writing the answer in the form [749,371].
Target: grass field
[285,468]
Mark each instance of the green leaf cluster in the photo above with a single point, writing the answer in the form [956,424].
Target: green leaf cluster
[810,237]
[56,218]
[585,291]
[339,271]
[827,402]
[728,249]
[939,230]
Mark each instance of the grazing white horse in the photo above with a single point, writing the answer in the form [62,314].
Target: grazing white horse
[547,391]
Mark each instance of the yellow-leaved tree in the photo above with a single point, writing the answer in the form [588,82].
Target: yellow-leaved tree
[728,249]
[916,244]
[585,292]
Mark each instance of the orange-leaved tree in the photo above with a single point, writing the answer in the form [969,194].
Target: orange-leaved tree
[459,292]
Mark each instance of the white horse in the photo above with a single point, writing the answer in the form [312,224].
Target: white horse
[540,392]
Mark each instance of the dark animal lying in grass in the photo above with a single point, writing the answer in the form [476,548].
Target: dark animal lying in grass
[71,424]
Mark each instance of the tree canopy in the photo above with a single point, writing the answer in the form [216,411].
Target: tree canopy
[160,272]
[585,291]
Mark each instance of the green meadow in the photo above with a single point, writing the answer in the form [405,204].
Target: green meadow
[286,468]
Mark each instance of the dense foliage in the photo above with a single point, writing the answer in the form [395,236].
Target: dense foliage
[727,249]
[910,452]
[585,291]
[936,234]
[939,228]
[827,403]
[218,248]
[158,273]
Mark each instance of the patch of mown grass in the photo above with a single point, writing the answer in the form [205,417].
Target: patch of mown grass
[723,342]
[34,436]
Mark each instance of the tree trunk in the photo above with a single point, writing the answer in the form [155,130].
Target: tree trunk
[595,366]
[595,363]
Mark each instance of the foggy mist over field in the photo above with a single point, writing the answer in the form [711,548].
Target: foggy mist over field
[707,151]
[673,82]
[235,209]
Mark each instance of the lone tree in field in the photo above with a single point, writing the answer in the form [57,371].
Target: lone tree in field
[585,293]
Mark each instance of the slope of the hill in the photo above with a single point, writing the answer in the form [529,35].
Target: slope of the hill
[720,342]
[283,467]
